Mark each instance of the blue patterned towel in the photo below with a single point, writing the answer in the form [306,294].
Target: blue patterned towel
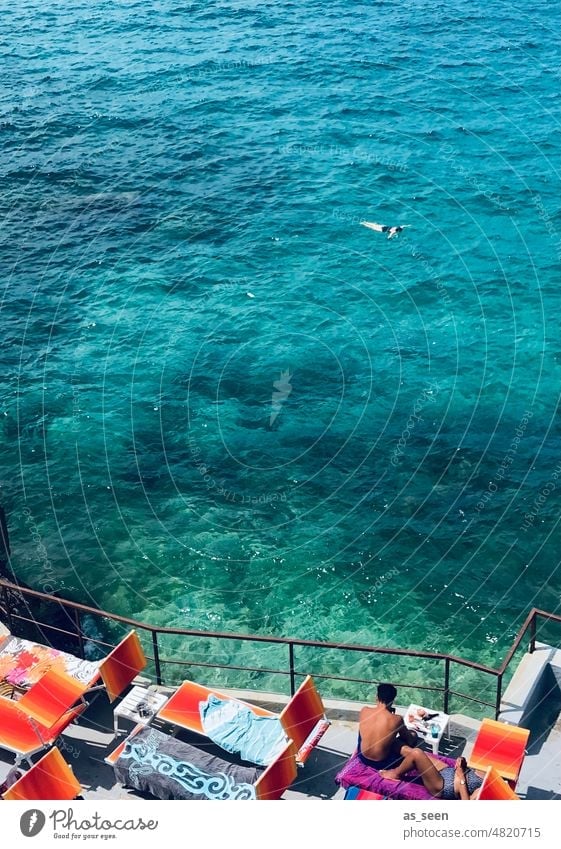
[234,727]
[168,768]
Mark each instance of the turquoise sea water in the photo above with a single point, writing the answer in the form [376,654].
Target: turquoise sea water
[226,404]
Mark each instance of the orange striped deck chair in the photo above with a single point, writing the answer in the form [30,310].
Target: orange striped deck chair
[304,720]
[278,776]
[182,708]
[501,746]
[50,778]
[122,665]
[495,788]
[53,695]
[22,735]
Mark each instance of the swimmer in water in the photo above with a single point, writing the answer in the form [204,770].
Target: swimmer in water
[383,228]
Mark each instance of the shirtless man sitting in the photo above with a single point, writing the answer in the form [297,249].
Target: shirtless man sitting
[382,734]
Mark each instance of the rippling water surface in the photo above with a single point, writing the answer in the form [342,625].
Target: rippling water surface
[225,403]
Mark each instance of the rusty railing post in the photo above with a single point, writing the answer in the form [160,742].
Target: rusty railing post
[6,602]
[291,667]
[156,651]
[446,684]
[499,695]
[532,646]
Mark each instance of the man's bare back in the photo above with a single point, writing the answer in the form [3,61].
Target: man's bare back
[382,734]
[379,730]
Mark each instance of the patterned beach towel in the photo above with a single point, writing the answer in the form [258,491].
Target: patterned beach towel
[235,728]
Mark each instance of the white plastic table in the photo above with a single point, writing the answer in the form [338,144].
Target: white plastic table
[423,728]
[128,707]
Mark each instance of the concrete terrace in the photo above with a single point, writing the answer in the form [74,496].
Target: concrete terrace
[86,744]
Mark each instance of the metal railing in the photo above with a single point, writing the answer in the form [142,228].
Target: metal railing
[76,611]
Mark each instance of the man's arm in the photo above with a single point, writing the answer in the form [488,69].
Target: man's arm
[408,738]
